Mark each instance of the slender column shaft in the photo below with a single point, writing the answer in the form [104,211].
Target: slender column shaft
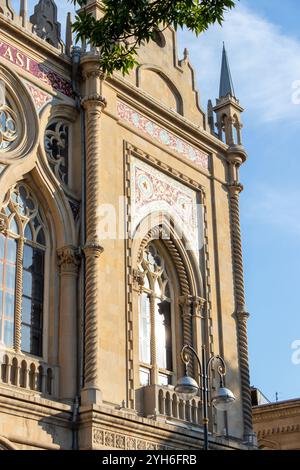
[68,261]
[18,294]
[154,370]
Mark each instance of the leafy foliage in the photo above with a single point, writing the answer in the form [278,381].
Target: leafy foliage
[127,24]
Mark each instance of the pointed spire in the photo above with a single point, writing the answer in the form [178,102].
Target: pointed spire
[226,84]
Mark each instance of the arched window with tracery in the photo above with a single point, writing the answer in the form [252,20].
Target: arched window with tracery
[22,260]
[155,319]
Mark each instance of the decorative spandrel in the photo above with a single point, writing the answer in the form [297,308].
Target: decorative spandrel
[57,147]
[8,126]
[45,23]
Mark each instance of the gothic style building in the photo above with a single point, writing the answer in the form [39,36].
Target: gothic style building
[119,243]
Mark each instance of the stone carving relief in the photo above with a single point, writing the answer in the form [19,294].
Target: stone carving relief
[153,191]
[120,441]
[45,23]
[57,149]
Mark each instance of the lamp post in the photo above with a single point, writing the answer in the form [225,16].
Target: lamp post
[187,387]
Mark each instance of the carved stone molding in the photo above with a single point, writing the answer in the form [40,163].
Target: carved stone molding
[110,439]
[287,429]
[68,259]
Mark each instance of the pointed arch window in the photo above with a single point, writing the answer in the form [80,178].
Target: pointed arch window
[155,320]
[22,259]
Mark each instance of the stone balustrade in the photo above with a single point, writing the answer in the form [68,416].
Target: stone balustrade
[161,402]
[26,372]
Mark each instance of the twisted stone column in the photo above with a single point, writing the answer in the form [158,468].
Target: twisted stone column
[241,313]
[68,262]
[18,298]
[93,105]
[185,302]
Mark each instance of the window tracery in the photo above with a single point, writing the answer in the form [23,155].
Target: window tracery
[57,148]
[155,320]
[8,124]
[22,258]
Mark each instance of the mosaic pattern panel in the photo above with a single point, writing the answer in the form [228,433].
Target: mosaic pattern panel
[153,191]
[194,155]
[40,71]
[40,97]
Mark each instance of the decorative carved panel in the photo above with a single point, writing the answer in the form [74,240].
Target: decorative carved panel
[153,191]
[57,149]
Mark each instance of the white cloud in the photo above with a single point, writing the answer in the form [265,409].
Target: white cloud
[264,63]
[274,208]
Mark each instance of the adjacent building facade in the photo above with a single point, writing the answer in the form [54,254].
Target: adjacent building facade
[119,243]
[277,425]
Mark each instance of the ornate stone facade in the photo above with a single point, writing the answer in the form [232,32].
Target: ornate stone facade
[114,168]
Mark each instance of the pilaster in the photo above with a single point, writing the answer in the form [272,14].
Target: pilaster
[93,104]
[68,262]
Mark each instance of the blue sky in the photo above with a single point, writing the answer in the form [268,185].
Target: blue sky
[262,38]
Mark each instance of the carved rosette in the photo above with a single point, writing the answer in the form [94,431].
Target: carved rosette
[68,259]
[241,313]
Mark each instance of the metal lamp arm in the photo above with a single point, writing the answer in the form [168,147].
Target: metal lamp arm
[186,360]
[221,368]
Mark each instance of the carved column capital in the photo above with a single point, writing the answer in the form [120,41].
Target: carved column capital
[198,305]
[185,301]
[242,315]
[94,73]
[68,259]
[93,249]
[94,102]
[235,188]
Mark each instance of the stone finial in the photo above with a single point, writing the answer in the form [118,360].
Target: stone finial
[69,40]
[45,23]
[6,9]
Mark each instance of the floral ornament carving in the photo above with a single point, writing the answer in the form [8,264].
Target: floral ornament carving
[57,148]
[20,214]
[8,126]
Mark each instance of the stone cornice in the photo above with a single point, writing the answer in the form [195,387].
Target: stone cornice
[120,422]
[276,411]
[287,429]
[170,119]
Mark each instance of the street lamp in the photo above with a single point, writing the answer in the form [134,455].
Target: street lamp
[187,387]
